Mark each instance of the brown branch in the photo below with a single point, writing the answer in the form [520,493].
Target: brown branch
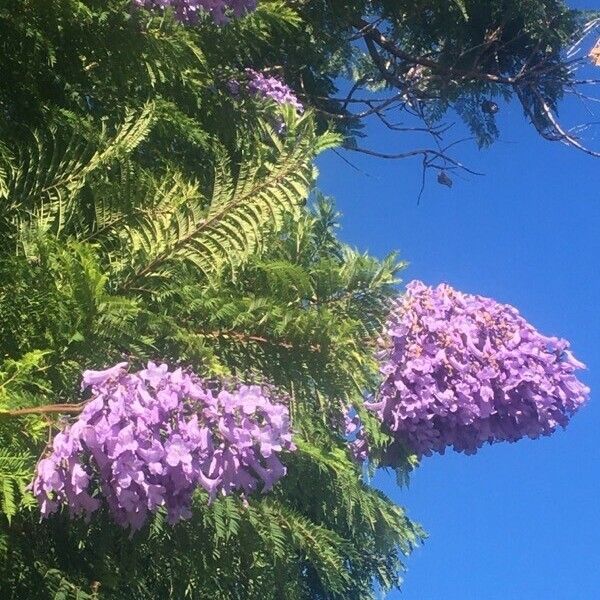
[370,32]
[374,109]
[436,132]
[392,79]
[427,152]
[75,409]
[551,129]
[44,410]
[538,67]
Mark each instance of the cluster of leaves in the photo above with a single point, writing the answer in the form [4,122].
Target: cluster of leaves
[146,214]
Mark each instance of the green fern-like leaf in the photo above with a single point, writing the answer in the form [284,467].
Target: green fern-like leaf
[15,475]
[43,181]
[241,212]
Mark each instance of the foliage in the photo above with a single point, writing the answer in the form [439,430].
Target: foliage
[433,57]
[147,213]
[189,11]
[111,254]
[298,313]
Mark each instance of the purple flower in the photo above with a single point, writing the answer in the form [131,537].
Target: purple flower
[79,479]
[97,378]
[49,476]
[155,495]
[272,88]
[177,452]
[356,436]
[149,439]
[462,370]
[152,452]
[124,442]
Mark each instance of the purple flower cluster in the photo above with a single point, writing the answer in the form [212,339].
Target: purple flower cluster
[188,11]
[271,87]
[149,439]
[355,434]
[461,370]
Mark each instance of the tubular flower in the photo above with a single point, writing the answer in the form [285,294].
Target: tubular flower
[149,439]
[356,436]
[462,370]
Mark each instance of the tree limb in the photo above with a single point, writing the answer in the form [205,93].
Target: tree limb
[372,34]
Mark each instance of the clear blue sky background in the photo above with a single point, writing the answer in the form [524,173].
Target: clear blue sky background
[518,521]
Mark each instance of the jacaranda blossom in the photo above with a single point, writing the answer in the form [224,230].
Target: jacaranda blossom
[188,11]
[355,435]
[272,88]
[462,370]
[149,439]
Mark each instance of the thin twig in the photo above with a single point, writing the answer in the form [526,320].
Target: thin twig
[412,153]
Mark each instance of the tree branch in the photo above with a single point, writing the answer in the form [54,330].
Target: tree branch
[45,409]
[426,152]
[372,34]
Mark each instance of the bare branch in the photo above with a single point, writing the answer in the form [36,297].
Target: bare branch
[560,133]
[530,80]
[425,152]
[46,409]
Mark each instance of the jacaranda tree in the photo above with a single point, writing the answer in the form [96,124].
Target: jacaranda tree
[196,375]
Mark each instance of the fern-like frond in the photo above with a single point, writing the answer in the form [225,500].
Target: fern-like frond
[15,476]
[326,552]
[62,588]
[5,160]
[242,210]
[45,177]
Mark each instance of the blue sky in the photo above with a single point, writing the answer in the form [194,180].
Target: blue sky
[518,521]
